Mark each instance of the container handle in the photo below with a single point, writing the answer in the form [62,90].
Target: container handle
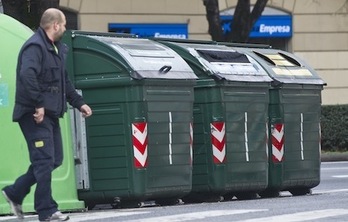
[165,69]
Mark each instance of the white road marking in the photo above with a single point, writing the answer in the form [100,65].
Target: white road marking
[104,215]
[6,218]
[335,163]
[329,191]
[335,168]
[340,176]
[197,215]
[302,216]
[77,217]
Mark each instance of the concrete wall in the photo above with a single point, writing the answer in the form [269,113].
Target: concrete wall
[320,29]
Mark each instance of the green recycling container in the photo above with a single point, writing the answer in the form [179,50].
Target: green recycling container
[139,137]
[230,121]
[14,156]
[294,114]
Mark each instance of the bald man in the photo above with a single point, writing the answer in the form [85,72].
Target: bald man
[42,92]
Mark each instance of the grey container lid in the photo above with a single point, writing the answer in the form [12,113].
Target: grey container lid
[226,63]
[149,59]
[284,67]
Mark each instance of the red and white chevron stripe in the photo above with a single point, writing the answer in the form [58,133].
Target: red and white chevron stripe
[218,140]
[277,142]
[139,137]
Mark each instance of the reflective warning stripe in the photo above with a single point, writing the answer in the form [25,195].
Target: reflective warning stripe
[218,135]
[139,138]
[277,142]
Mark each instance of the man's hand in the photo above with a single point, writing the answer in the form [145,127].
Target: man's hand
[39,115]
[86,110]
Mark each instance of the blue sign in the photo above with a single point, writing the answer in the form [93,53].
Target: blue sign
[267,26]
[168,30]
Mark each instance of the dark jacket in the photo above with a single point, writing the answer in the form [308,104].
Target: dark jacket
[42,80]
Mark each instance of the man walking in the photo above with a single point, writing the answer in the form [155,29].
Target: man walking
[42,92]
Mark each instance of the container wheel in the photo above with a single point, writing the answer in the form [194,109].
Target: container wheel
[269,193]
[300,191]
[90,205]
[228,197]
[246,195]
[128,204]
[168,202]
[192,199]
[203,197]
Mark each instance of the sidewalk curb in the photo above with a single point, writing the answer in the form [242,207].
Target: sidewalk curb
[334,156]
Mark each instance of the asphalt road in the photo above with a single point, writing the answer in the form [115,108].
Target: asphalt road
[328,202]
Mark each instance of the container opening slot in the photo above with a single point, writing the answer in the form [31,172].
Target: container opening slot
[279,59]
[223,56]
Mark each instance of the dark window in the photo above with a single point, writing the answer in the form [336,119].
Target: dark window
[71,19]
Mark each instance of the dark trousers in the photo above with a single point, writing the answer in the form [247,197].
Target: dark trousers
[45,150]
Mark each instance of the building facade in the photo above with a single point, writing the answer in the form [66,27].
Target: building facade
[319,29]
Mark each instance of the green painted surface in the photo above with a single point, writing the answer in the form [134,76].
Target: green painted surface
[105,69]
[245,168]
[295,101]
[302,162]
[243,106]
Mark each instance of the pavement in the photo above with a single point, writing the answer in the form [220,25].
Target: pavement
[325,157]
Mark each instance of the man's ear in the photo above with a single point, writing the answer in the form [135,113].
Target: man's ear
[55,26]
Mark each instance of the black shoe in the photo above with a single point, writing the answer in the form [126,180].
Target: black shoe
[15,208]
